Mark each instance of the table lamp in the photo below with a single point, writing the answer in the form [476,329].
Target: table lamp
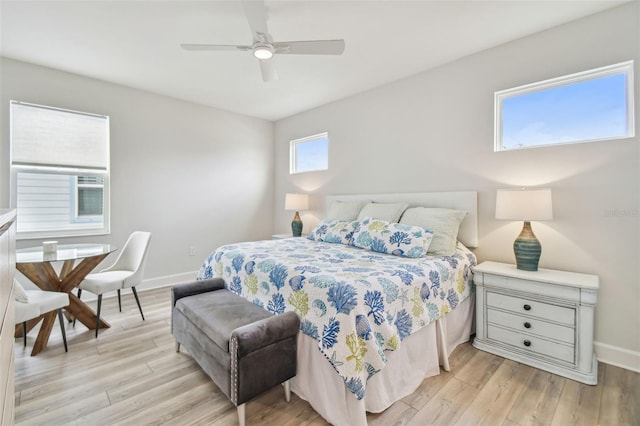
[527,205]
[296,202]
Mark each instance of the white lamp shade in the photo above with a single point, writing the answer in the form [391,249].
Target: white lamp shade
[296,202]
[524,204]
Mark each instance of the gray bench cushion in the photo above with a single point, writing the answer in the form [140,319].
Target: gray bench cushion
[231,312]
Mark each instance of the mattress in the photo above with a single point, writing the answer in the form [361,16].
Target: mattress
[356,306]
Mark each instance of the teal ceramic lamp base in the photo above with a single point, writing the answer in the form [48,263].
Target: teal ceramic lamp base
[296,226]
[527,249]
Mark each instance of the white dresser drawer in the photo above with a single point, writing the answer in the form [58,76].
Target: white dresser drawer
[531,343]
[535,326]
[532,308]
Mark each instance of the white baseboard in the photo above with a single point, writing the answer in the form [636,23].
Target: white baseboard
[168,280]
[620,357]
[148,284]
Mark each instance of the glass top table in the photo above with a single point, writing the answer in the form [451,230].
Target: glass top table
[63,252]
[36,265]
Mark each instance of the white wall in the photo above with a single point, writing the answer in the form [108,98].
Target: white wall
[189,174]
[434,131]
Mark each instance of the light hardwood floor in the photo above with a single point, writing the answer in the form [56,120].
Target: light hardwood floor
[131,375]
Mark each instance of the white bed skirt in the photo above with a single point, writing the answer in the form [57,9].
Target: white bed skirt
[420,356]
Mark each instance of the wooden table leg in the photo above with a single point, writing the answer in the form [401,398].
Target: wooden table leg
[83,313]
[44,333]
[30,324]
[44,276]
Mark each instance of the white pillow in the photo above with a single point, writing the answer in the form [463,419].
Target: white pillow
[389,212]
[344,210]
[18,292]
[443,222]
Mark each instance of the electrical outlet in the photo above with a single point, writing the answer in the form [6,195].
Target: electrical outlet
[192,251]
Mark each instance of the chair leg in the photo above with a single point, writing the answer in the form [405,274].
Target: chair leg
[135,293]
[79,293]
[119,301]
[241,414]
[24,333]
[177,346]
[98,314]
[64,333]
[287,391]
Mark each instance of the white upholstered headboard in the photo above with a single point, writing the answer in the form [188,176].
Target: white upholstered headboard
[459,200]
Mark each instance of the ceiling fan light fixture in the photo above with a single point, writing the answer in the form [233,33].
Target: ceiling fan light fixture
[263,51]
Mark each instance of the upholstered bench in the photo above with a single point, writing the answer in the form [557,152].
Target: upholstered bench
[245,349]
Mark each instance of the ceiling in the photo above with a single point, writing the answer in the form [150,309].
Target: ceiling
[136,43]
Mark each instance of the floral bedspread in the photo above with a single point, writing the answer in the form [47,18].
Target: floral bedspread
[356,303]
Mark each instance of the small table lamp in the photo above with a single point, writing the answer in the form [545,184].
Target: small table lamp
[527,205]
[296,202]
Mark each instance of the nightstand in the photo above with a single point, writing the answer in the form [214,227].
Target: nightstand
[281,236]
[541,318]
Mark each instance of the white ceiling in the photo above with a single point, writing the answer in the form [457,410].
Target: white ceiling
[136,43]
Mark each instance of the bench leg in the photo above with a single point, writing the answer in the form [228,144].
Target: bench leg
[241,414]
[287,391]
[177,346]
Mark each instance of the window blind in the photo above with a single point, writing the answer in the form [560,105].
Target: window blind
[45,136]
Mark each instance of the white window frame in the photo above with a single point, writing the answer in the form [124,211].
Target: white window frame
[16,167]
[293,152]
[625,68]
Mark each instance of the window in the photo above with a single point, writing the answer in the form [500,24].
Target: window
[590,106]
[59,171]
[89,194]
[309,154]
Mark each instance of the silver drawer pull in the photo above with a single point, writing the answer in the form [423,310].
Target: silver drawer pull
[527,325]
[527,343]
[527,307]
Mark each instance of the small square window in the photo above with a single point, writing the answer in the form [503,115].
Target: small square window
[594,105]
[89,198]
[309,154]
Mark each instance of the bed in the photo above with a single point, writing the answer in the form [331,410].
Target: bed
[373,324]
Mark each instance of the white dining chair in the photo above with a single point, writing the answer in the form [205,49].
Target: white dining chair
[41,303]
[126,272]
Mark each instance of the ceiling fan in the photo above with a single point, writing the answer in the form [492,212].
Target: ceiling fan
[263,47]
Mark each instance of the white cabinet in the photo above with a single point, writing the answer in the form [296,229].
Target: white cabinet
[7,270]
[541,318]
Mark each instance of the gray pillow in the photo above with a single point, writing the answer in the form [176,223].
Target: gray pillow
[389,212]
[444,223]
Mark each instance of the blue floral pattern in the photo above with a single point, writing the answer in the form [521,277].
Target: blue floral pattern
[393,238]
[356,303]
[334,231]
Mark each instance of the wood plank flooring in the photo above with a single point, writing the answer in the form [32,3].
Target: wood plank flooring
[131,375]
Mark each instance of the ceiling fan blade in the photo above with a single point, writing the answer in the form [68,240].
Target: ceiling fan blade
[194,47]
[268,69]
[311,47]
[256,13]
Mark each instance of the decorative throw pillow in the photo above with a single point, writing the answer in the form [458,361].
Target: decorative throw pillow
[18,292]
[392,238]
[389,212]
[443,222]
[334,231]
[344,210]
